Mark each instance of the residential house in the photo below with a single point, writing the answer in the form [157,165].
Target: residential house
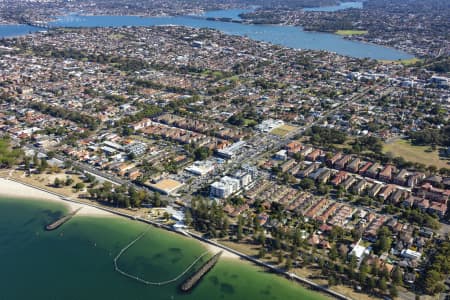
[387,173]
[340,164]
[376,188]
[334,159]
[354,165]
[386,192]
[373,170]
[314,155]
[365,168]
[402,177]
[360,186]
[339,177]
[440,209]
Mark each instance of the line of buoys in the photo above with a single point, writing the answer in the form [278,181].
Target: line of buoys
[116,267]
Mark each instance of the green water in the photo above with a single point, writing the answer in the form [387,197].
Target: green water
[76,261]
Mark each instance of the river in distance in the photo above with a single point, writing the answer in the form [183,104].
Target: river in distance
[289,36]
[75,261]
[340,6]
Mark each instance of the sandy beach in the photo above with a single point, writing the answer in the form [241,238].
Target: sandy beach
[14,189]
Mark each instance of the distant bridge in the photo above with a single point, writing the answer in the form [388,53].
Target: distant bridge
[38,24]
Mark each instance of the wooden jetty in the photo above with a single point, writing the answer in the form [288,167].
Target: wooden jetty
[194,279]
[60,221]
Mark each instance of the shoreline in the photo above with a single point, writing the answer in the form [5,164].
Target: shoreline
[23,190]
[14,189]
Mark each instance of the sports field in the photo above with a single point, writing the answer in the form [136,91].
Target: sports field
[418,154]
[283,130]
[351,32]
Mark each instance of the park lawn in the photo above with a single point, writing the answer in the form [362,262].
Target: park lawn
[116,36]
[283,130]
[246,248]
[351,32]
[250,122]
[411,61]
[347,145]
[405,62]
[45,181]
[417,154]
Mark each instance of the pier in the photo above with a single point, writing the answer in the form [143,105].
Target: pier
[60,221]
[192,281]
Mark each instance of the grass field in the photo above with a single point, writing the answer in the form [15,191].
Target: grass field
[418,154]
[283,130]
[405,62]
[351,32]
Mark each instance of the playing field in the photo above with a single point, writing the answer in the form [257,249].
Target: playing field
[419,154]
[405,62]
[351,32]
[283,130]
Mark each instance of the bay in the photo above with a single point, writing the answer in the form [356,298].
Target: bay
[340,6]
[16,30]
[76,260]
[288,36]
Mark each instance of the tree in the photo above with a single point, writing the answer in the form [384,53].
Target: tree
[69,181]
[35,160]
[262,252]
[393,292]
[288,264]
[277,244]
[432,282]
[307,183]
[202,153]
[188,217]
[353,262]
[280,257]
[156,199]
[79,186]
[333,254]
[397,276]
[57,182]
[384,241]
[323,189]
[239,234]
[43,165]
[26,162]
[371,283]
[382,285]
[68,164]
[166,216]
[262,238]
[331,280]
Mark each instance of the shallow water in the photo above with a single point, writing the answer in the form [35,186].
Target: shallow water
[76,261]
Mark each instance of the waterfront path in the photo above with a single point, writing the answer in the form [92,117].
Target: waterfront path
[289,275]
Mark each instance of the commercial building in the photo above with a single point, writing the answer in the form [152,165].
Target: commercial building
[408,253]
[243,177]
[165,186]
[231,151]
[201,168]
[225,187]
[269,125]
